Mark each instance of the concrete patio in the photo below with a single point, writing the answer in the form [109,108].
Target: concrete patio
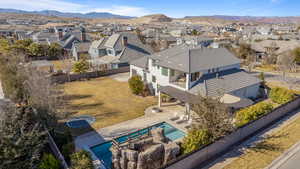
[102,135]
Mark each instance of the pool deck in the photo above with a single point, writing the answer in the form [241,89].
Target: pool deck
[105,134]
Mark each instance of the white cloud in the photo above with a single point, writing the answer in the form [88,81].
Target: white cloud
[42,5]
[124,10]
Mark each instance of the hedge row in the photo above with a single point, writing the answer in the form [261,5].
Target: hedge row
[251,113]
[281,95]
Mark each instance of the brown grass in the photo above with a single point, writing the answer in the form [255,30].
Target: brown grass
[108,100]
[269,149]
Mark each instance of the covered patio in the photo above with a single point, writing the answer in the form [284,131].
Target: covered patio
[184,97]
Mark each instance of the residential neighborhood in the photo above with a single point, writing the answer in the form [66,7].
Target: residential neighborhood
[149,85]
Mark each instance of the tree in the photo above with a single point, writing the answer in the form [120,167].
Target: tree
[195,139]
[11,75]
[245,51]
[81,66]
[37,50]
[136,85]
[212,116]
[262,78]
[49,162]
[55,51]
[22,137]
[296,55]
[286,63]
[194,32]
[81,160]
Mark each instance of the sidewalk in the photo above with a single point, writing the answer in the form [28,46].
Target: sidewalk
[286,160]
[1,92]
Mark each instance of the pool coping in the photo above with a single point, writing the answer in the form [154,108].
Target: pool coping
[98,163]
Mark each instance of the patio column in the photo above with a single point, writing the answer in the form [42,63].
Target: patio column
[159,99]
[188,110]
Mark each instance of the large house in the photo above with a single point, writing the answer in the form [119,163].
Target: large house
[118,50]
[189,71]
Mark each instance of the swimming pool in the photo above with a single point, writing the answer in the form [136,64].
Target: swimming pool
[102,150]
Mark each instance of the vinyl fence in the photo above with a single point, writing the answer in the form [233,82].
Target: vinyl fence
[199,157]
[75,77]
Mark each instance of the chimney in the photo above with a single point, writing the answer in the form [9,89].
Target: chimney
[60,34]
[125,41]
[83,34]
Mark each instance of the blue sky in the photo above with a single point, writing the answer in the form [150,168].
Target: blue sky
[173,8]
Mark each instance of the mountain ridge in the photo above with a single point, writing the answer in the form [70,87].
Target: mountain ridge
[90,15]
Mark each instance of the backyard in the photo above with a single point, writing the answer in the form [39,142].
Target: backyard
[108,100]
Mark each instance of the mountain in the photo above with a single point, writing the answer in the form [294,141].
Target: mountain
[259,19]
[91,15]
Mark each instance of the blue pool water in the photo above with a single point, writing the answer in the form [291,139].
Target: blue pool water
[103,153]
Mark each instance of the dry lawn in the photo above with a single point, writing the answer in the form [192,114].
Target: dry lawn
[268,150]
[108,100]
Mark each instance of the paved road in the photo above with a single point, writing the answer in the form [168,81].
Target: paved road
[292,163]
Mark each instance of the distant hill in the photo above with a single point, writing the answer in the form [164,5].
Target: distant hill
[91,15]
[259,19]
[155,18]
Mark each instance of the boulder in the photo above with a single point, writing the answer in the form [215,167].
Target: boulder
[158,135]
[172,150]
[151,158]
[131,165]
[132,155]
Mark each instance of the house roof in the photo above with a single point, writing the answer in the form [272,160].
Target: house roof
[187,59]
[82,46]
[98,44]
[282,46]
[112,41]
[227,81]
[134,49]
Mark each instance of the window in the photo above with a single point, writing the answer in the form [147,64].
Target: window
[208,71]
[195,76]
[153,63]
[164,71]
[172,72]
[134,72]
[153,79]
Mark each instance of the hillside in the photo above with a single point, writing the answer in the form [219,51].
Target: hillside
[155,18]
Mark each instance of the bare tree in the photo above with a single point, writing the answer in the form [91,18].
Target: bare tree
[286,64]
[44,96]
[213,116]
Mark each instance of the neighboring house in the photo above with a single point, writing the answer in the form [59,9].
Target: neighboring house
[120,49]
[80,50]
[192,71]
[97,48]
[63,36]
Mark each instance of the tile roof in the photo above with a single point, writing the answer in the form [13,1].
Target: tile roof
[188,59]
[223,82]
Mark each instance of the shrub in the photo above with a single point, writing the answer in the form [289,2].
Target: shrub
[195,139]
[68,149]
[49,162]
[281,95]
[81,160]
[136,85]
[251,113]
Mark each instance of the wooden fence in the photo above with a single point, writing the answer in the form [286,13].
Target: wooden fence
[198,158]
[75,77]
